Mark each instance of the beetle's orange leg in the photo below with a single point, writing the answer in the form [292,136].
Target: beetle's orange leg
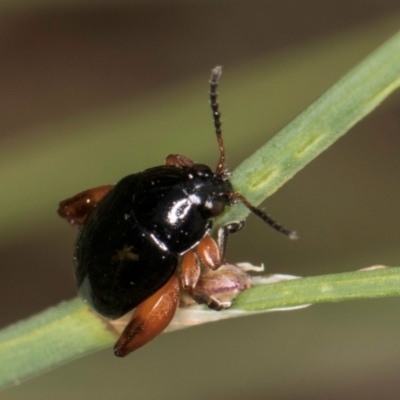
[211,252]
[190,270]
[150,318]
[77,208]
[178,161]
[190,276]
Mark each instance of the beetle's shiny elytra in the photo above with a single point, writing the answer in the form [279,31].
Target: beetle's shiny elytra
[130,244]
[133,235]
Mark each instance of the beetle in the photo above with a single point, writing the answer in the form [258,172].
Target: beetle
[134,235]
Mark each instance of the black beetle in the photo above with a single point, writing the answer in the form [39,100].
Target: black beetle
[134,234]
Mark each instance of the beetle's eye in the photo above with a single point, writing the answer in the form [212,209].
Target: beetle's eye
[215,207]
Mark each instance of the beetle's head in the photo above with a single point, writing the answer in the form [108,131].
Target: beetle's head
[209,191]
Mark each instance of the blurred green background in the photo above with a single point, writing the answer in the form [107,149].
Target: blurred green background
[93,91]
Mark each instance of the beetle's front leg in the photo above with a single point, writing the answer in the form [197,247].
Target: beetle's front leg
[223,233]
[150,318]
[211,252]
[190,276]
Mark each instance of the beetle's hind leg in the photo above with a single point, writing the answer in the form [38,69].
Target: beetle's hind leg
[77,208]
[150,318]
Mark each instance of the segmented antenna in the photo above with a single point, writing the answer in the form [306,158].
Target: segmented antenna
[215,75]
[266,218]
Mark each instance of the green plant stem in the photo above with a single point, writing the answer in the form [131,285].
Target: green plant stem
[71,330]
[322,289]
[50,338]
[317,128]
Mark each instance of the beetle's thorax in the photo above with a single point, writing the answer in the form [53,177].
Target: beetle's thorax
[176,203]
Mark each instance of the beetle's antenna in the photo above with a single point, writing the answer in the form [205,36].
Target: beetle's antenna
[266,218]
[215,75]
